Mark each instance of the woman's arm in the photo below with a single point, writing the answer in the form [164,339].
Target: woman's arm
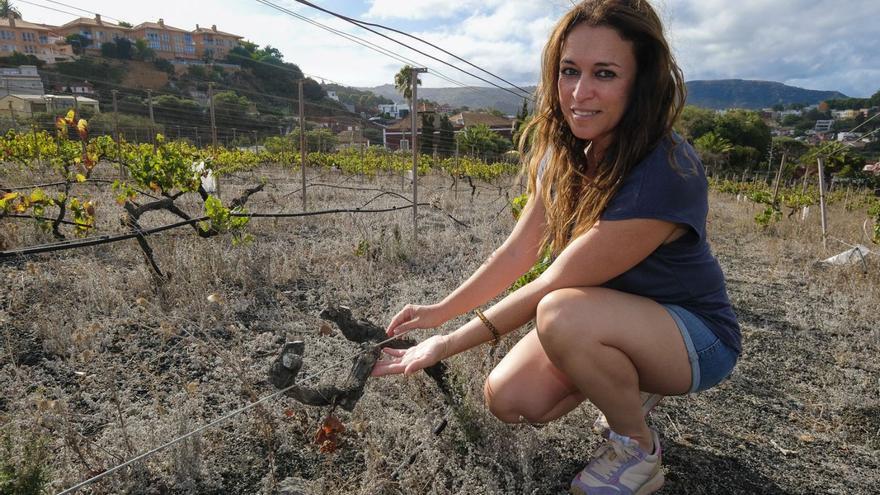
[515,256]
[607,250]
[507,263]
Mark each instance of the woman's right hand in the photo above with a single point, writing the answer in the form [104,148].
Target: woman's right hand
[413,316]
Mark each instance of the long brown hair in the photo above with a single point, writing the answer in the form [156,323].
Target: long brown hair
[573,201]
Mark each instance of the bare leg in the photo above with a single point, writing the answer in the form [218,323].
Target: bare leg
[525,385]
[611,345]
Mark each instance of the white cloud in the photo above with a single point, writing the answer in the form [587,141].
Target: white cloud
[420,9]
[801,42]
[810,43]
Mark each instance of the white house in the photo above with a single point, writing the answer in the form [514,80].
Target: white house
[396,110]
[27,105]
[23,80]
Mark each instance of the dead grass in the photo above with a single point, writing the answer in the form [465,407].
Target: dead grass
[131,363]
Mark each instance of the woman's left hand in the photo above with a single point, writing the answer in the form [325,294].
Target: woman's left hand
[407,361]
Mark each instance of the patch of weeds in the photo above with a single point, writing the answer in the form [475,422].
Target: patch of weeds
[24,466]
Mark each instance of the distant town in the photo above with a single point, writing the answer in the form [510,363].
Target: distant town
[178,63]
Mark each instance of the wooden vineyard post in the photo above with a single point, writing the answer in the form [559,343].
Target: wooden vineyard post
[303,152]
[415,147]
[122,170]
[455,175]
[822,203]
[213,132]
[778,178]
[152,119]
[37,146]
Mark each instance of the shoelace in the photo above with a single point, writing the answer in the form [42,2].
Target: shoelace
[606,463]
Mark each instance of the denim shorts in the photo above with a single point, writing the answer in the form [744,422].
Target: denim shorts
[711,359]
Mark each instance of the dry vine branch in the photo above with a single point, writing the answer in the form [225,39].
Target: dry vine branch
[283,371]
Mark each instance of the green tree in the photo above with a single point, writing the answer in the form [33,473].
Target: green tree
[745,129]
[480,140]
[713,148]
[230,108]
[125,24]
[18,58]
[427,140]
[695,121]
[108,50]
[403,83]
[7,10]
[124,48]
[446,137]
[142,51]
[78,42]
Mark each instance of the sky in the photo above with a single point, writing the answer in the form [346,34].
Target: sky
[824,45]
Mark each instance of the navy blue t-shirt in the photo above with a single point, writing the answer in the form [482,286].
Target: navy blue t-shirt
[683,272]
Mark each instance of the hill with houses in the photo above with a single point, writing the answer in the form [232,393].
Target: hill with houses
[718,95]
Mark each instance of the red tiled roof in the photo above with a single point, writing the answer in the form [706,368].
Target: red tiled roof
[157,26]
[468,119]
[202,30]
[4,22]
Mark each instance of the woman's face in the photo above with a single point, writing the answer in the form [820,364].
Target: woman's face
[596,73]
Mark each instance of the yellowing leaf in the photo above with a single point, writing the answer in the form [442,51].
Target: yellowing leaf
[80,178]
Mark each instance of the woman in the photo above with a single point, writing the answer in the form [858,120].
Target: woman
[634,305]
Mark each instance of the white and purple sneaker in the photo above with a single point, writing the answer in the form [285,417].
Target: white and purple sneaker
[621,467]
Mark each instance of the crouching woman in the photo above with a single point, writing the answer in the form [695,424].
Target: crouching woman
[634,305]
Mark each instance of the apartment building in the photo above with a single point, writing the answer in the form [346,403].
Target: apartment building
[42,41]
[214,44]
[169,42]
[95,30]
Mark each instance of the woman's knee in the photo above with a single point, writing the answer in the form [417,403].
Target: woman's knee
[504,405]
[558,318]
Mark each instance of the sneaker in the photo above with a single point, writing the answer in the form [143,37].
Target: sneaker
[649,401]
[621,467]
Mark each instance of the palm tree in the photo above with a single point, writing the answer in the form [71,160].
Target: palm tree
[7,10]
[403,83]
[713,146]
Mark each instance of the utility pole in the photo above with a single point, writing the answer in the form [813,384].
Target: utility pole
[116,134]
[213,120]
[414,112]
[303,152]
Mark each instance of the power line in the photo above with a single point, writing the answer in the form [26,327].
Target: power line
[444,51]
[379,49]
[80,9]
[364,26]
[48,8]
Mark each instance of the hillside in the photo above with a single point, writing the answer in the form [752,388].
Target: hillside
[473,97]
[739,93]
[728,93]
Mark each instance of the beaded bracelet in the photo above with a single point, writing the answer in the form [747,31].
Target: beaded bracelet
[496,337]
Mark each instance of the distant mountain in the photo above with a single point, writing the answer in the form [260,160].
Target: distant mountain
[472,97]
[739,93]
[720,94]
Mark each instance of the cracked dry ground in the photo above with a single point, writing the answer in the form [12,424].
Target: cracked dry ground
[100,363]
